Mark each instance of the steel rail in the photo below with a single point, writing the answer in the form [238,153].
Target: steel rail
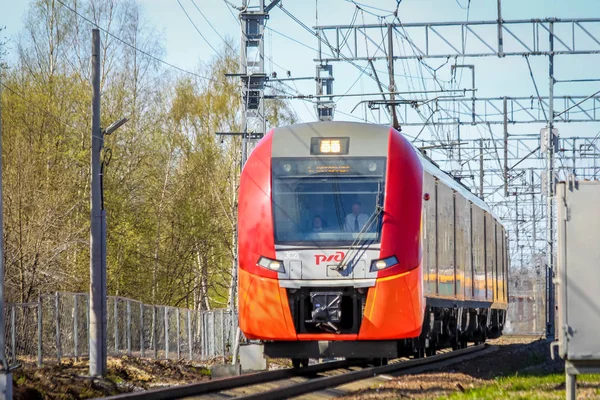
[404,367]
[218,385]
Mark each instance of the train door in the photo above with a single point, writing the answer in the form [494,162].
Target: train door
[462,226]
[478,240]
[430,234]
[499,264]
[445,199]
[490,256]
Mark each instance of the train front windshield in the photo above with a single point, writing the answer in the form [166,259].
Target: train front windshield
[328,201]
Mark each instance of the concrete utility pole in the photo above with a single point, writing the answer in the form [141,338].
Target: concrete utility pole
[97,306]
[5,374]
[97,229]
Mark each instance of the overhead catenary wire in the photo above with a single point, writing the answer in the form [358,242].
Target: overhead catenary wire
[196,28]
[155,58]
[322,40]
[361,5]
[212,26]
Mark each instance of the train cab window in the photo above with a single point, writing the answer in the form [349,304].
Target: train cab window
[327,210]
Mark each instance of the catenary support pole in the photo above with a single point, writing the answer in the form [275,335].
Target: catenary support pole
[244,130]
[550,192]
[517,241]
[392,88]
[533,216]
[500,39]
[505,109]
[97,258]
[481,172]
[5,374]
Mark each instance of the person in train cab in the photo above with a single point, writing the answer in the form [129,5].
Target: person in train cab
[317,224]
[356,220]
[317,228]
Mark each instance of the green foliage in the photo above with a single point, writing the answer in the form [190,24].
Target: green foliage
[170,183]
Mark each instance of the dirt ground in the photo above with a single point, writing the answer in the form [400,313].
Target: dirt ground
[514,356]
[69,381]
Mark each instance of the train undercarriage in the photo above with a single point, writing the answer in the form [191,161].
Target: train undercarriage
[444,326]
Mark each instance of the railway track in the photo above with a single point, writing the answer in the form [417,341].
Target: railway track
[297,382]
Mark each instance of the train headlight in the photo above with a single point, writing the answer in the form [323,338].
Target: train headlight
[378,265]
[273,265]
[372,167]
[287,167]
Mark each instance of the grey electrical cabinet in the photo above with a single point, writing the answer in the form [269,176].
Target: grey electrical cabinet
[578,277]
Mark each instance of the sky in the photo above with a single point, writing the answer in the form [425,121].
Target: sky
[495,77]
[509,76]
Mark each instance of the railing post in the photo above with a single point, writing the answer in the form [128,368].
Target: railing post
[57,319]
[40,331]
[166,332]
[116,323]
[189,333]
[75,326]
[154,332]
[223,333]
[142,330]
[178,333]
[205,315]
[213,347]
[202,336]
[87,319]
[231,334]
[128,328]
[13,337]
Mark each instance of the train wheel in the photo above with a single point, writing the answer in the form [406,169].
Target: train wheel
[430,351]
[419,352]
[378,362]
[299,362]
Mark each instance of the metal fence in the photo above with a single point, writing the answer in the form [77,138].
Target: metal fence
[527,304]
[56,327]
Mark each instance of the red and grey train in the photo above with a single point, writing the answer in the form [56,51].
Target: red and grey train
[354,244]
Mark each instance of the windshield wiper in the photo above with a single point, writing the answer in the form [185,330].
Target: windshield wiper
[355,244]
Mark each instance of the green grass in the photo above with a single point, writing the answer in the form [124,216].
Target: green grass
[528,387]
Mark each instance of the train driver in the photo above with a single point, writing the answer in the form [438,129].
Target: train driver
[317,224]
[356,220]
